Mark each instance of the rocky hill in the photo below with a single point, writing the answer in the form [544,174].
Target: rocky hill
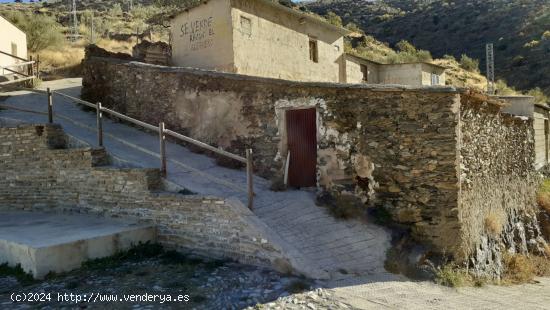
[519,29]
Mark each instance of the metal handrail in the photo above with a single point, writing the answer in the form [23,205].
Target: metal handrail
[84,102]
[16,57]
[32,72]
[18,64]
[160,129]
[205,146]
[129,119]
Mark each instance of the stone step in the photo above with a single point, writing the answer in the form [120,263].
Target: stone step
[47,242]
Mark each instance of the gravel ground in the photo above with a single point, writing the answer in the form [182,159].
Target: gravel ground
[226,285]
[209,285]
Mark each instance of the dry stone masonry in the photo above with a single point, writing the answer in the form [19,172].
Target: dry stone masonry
[426,155]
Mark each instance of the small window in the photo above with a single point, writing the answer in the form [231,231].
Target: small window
[365,71]
[313,51]
[337,48]
[246,26]
[435,79]
[13,49]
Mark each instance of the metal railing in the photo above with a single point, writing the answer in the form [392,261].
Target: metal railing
[32,70]
[162,131]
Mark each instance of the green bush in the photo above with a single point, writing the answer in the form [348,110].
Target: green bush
[449,57]
[334,19]
[408,53]
[539,95]
[468,63]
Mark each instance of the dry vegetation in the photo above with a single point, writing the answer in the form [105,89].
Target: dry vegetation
[47,24]
[487,210]
[490,220]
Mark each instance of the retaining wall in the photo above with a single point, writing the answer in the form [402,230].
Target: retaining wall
[37,172]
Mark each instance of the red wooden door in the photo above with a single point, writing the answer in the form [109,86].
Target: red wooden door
[301,128]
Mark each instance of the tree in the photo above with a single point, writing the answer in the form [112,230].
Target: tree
[334,19]
[468,63]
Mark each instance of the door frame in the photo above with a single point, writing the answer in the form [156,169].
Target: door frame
[280,111]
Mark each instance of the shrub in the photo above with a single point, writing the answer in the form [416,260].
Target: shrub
[449,57]
[539,95]
[334,19]
[503,88]
[353,27]
[533,43]
[518,269]
[452,276]
[468,63]
[406,47]
[546,35]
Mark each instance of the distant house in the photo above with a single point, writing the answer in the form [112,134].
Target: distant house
[362,70]
[258,38]
[12,41]
[266,39]
[540,113]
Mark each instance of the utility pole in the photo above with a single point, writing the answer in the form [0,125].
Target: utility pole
[490,69]
[74,26]
[92,39]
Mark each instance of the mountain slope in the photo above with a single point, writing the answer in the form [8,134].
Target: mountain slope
[519,29]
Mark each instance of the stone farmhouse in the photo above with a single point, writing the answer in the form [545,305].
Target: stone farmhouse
[439,161]
[265,39]
[14,41]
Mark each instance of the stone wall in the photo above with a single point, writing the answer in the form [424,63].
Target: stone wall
[409,150]
[37,172]
[497,205]
[390,146]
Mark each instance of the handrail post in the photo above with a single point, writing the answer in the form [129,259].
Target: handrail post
[37,66]
[50,106]
[162,143]
[99,125]
[250,178]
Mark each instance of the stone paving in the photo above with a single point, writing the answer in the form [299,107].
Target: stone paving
[330,247]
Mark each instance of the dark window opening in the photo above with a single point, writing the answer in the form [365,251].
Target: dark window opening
[365,71]
[313,51]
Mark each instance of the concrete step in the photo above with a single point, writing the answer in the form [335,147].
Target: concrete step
[47,242]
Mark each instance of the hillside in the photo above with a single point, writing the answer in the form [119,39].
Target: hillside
[116,25]
[520,30]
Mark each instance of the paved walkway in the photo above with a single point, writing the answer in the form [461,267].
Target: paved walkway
[335,247]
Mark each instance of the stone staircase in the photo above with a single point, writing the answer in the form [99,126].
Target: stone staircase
[39,173]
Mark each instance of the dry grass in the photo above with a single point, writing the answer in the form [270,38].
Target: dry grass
[116,46]
[69,56]
[453,276]
[494,224]
[518,269]
[523,269]
[543,196]
[487,206]
[63,62]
